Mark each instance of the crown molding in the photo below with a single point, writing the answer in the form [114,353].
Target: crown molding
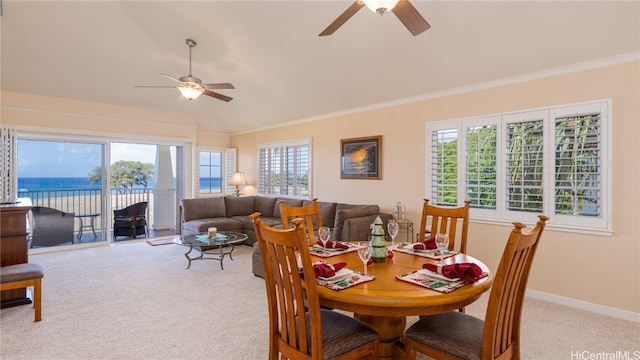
[563,70]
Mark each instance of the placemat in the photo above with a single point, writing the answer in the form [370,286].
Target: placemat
[319,251]
[434,282]
[431,254]
[343,282]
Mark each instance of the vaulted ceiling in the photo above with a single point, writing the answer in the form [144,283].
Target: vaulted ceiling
[283,72]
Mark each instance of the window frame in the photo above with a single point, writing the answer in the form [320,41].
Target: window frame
[284,144]
[585,224]
[227,163]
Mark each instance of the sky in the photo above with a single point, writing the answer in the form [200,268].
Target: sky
[67,159]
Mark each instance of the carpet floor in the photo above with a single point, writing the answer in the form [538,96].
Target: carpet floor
[135,301]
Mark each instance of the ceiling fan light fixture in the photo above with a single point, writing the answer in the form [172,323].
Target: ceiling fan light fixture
[380,6]
[191,90]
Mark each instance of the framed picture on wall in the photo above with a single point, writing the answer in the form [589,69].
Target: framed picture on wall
[360,158]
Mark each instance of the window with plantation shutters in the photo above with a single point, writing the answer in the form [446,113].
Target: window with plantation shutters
[284,168]
[230,168]
[444,172]
[578,170]
[524,161]
[481,165]
[552,161]
[213,171]
[581,172]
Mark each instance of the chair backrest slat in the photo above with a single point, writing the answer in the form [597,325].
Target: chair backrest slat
[504,310]
[294,307]
[309,213]
[445,219]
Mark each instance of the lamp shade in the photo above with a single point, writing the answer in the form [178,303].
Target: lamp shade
[380,6]
[190,91]
[238,179]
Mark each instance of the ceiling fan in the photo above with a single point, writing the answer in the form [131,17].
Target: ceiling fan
[191,87]
[406,13]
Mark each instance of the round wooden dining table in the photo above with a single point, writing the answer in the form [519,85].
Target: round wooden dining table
[385,302]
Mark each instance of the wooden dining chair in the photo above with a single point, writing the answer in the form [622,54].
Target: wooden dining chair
[309,213]
[439,219]
[298,327]
[455,335]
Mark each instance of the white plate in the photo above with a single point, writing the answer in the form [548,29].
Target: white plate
[436,275]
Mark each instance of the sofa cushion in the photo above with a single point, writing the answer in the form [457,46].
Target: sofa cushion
[264,205]
[287,202]
[201,208]
[251,234]
[272,222]
[199,226]
[242,205]
[244,220]
[346,211]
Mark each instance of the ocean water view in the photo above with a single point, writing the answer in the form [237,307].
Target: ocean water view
[55,183]
[26,184]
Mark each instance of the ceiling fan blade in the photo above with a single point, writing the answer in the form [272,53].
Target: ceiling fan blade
[218,96]
[171,77]
[410,17]
[346,15]
[218,86]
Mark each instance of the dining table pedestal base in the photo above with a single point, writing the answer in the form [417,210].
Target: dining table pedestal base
[390,329]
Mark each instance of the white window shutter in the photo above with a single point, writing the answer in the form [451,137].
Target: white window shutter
[230,167]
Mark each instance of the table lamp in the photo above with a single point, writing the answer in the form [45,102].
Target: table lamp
[238,179]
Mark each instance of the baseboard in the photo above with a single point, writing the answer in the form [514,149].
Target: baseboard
[583,305]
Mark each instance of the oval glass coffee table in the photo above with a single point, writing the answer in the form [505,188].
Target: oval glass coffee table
[215,249]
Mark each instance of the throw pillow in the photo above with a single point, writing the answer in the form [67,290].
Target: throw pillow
[237,206]
[359,211]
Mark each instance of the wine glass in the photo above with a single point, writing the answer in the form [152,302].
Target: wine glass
[324,233]
[393,227]
[364,252]
[442,242]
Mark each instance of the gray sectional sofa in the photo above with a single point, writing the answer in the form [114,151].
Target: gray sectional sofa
[231,213]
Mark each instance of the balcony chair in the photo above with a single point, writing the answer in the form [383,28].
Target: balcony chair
[298,327]
[445,219]
[455,335]
[310,214]
[131,221]
[51,227]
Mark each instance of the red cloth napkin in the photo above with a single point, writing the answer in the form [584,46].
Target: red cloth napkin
[327,270]
[428,244]
[468,272]
[334,245]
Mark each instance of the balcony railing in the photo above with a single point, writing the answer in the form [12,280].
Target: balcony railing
[89,201]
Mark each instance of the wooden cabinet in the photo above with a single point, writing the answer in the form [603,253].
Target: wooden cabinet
[13,245]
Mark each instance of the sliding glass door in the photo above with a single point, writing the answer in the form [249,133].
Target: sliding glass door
[76,185]
[63,179]
[145,173]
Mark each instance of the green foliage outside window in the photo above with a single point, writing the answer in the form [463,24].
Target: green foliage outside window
[447,171]
[125,174]
[481,166]
[525,166]
[577,165]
